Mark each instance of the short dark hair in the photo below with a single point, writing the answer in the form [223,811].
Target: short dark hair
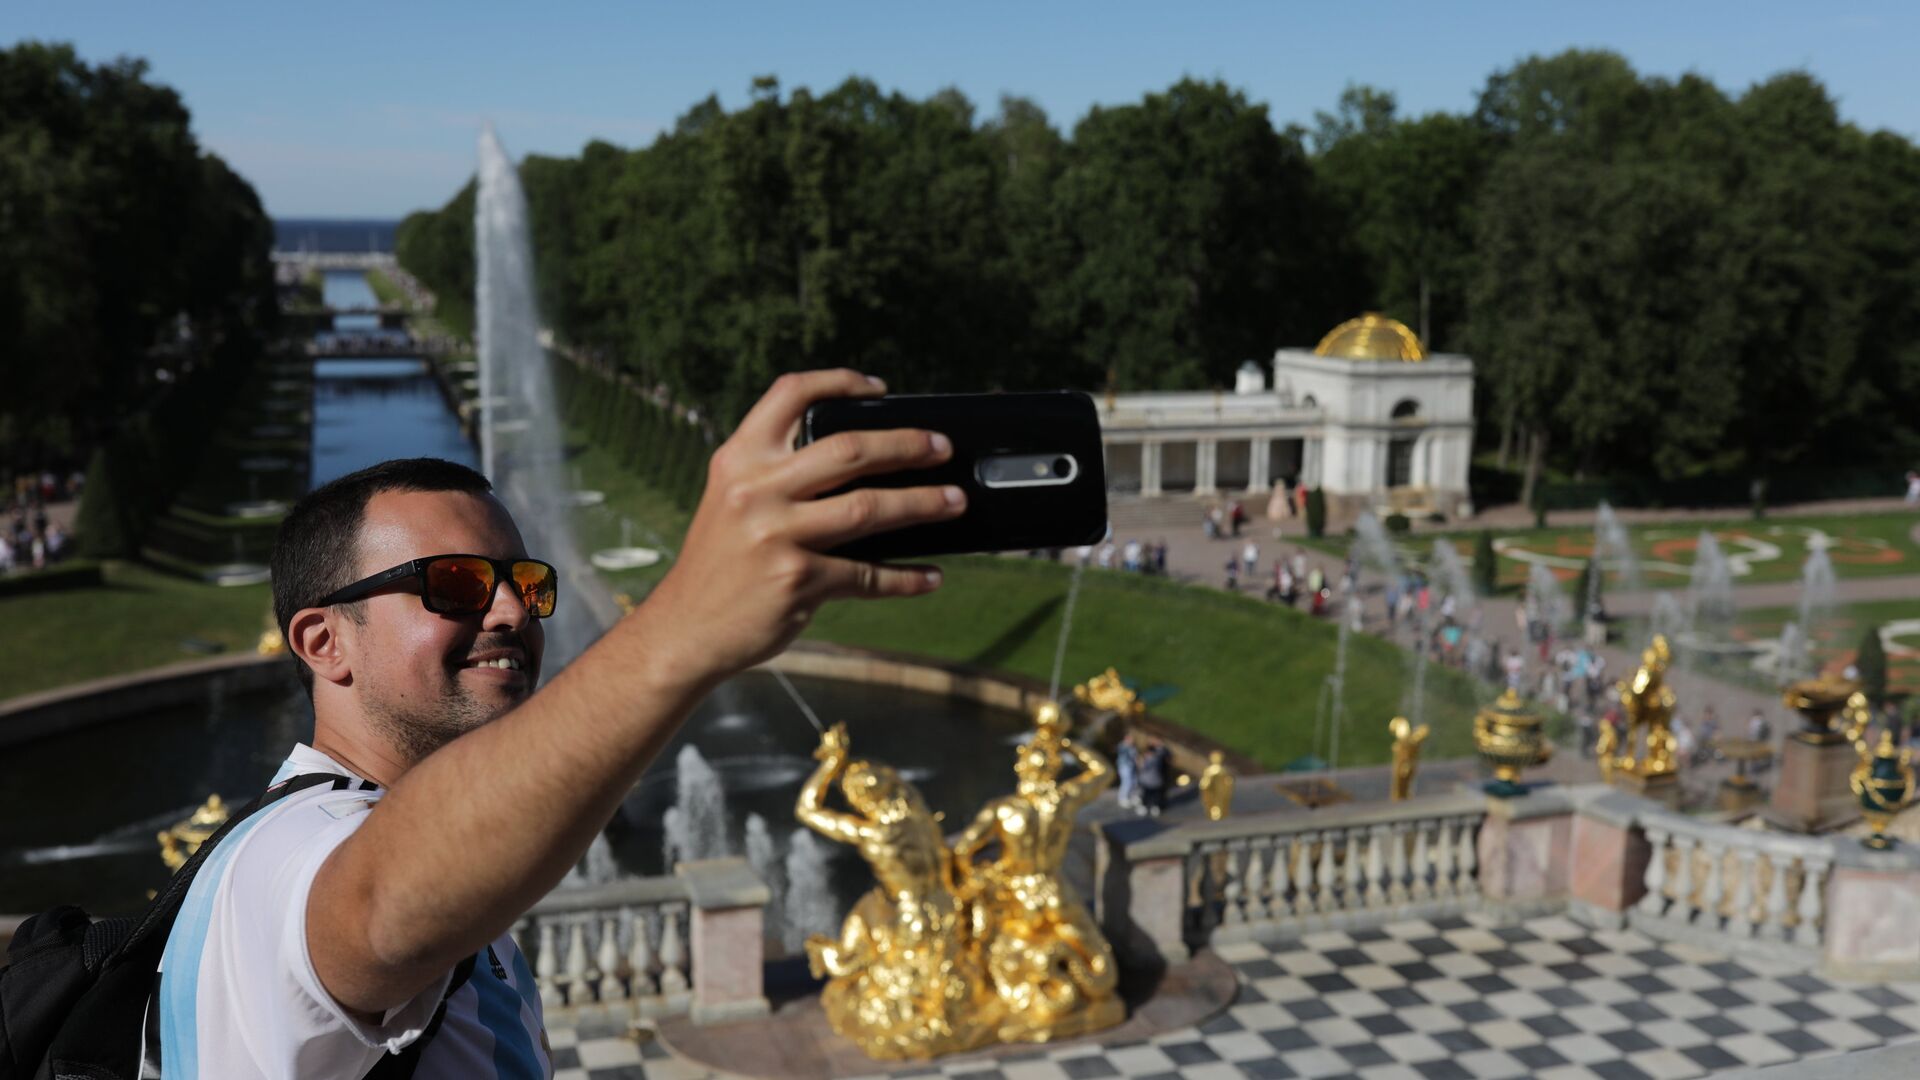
[316,549]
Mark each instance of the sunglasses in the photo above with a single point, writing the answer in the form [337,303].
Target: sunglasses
[463,584]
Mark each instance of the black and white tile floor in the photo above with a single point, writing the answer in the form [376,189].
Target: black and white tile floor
[1451,998]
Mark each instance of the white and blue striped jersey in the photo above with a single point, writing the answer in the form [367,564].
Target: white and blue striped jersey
[238,997]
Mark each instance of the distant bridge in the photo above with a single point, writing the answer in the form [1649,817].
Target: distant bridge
[337,260]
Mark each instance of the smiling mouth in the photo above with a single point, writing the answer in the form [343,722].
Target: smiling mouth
[505,663]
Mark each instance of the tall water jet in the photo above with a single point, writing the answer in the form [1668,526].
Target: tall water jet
[1709,590]
[809,907]
[1668,619]
[1376,547]
[1613,554]
[521,443]
[597,867]
[1794,658]
[696,826]
[1544,600]
[764,857]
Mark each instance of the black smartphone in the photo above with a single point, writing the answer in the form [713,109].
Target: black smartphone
[1030,463]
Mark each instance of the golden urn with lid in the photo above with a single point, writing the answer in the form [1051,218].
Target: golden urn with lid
[1509,738]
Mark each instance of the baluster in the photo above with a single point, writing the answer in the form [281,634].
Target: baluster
[1278,885]
[1422,862]
[576,972]
[610,988]
[1740,919]
[1304,884]
[1775,926]
[1373,890]
[1714,892]
[640,959]
[1443,860]
[673,954]
[1324,899]
[1812,905]
[1354,897]
[1207,888]
[1256,882]
[1468,852]
[1232,888]
[546,968]
[1682,908]
[1655,902]
[1397,862]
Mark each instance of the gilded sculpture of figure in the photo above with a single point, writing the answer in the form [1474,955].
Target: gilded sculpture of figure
[1051,967]
[1406,754]
[1216,787]
[182,839]
[1109,693]
[905,978]
[1648,702]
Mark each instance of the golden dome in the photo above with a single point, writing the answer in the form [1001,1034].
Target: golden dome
[1372,336]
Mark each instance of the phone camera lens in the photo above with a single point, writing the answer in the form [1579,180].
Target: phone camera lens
[1062,466]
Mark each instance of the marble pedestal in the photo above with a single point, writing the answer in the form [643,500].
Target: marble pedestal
[1663,788]
[1811,794]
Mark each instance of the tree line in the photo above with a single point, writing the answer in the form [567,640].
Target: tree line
[131,261]
[1654,277]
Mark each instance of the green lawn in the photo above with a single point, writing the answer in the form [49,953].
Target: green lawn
[1862,545]
[1837,637]
[137,620]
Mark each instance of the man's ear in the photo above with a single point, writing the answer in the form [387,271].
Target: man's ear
[311,637]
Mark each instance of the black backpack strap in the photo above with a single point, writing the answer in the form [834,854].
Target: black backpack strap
[401,1066]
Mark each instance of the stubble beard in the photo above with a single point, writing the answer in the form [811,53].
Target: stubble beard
[418,730]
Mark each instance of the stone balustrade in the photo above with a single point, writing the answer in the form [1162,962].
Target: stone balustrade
[1714,881]
[651,947]
[1165,893]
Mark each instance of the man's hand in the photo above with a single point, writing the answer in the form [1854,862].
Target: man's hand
[751,572]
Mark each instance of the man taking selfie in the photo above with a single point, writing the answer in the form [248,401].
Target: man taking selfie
[361,925]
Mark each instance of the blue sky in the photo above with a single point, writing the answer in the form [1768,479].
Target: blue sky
[361,109]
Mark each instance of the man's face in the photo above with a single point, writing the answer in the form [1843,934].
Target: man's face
[415,672]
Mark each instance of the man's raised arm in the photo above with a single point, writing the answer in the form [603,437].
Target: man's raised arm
[469,838]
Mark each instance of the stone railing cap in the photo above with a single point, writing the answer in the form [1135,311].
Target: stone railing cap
[1848,852]
[1538,803]
[610,896]
[1620,809]
[1177,841]
[722,883]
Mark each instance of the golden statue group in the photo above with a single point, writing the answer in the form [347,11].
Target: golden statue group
[949,951]
[1648,703]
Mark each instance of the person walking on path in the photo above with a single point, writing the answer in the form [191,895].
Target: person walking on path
[346,920]
[1126,761]
[1155,764]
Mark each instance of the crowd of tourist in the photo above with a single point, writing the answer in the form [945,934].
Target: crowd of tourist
[30,540]
[1145,768]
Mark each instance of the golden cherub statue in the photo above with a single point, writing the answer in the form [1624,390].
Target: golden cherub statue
[1108,693]
[1216,787]
[1051,967]
[1406,754]
[1648,702]
[905,978]
[181,840]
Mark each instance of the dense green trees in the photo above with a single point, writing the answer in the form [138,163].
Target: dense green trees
[127,256]
[1656,280]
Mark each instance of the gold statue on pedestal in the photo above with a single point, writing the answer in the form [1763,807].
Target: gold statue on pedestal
[1216,787]
[905,978]
[181,840]
[1406,754]
[1648,702]
[1051,967]
[948,953]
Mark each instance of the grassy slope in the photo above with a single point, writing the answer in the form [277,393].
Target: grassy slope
[137,620]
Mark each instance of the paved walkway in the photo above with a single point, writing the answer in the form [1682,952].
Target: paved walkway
[1446,999]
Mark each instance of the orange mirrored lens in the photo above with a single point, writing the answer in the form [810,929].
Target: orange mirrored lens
[460,585]
[538,584]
